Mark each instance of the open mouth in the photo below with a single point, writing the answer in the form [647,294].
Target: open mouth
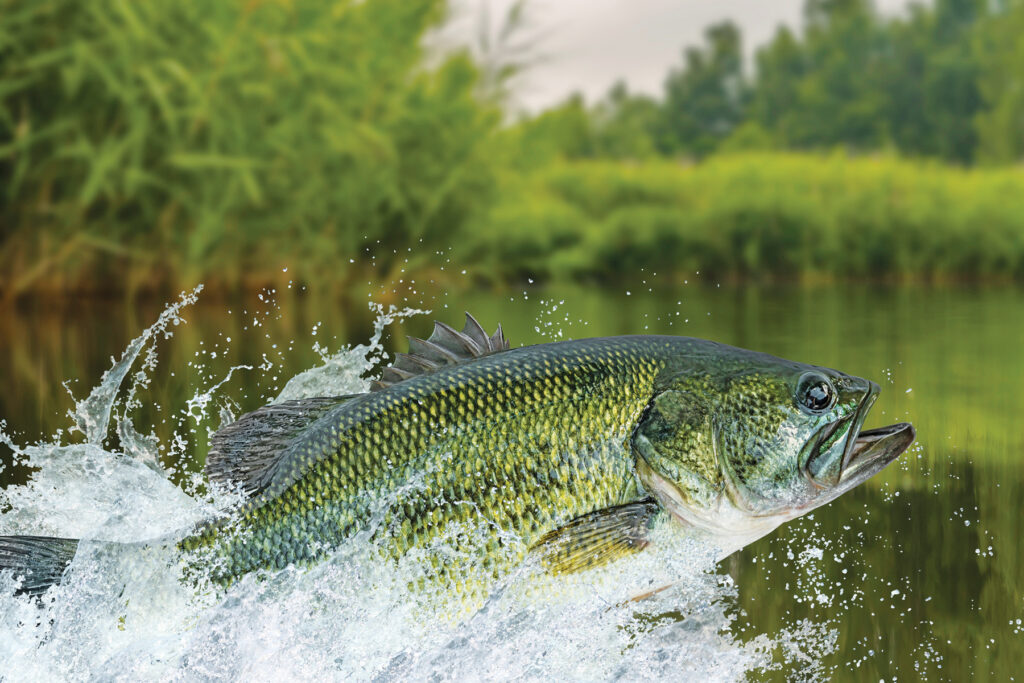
[866,454]
[873,449]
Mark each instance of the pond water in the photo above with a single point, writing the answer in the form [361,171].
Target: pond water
[917,573]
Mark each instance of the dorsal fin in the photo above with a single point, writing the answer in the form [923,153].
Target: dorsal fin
[444,347]
[249,451]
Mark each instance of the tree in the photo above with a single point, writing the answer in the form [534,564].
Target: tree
[625,124]
[704,100]
[930,81]
[564,131]
[839,100]
[781,65]
[1000,53]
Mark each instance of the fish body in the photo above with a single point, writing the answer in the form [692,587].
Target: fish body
[570,450]
[524,441]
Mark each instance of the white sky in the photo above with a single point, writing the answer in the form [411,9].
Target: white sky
[587,45]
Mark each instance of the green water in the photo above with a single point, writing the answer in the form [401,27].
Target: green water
[931,548]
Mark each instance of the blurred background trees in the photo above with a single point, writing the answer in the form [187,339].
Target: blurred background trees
[153,145]
[938,82]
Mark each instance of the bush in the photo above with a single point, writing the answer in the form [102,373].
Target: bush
[778,215]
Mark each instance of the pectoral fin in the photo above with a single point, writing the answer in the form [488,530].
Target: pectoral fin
[597,538]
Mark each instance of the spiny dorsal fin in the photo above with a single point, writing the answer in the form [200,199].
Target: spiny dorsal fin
[444,347]
[597,538]
[249,451]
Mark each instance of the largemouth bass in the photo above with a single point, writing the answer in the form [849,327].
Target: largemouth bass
[569,451]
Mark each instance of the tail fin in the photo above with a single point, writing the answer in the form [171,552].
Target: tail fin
[39,561]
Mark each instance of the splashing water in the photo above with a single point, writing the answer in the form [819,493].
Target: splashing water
[124,613]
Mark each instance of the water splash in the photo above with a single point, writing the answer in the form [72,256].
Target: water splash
[123,612]
[344,372]
[92,414]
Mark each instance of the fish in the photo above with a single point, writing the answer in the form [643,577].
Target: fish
[569,452]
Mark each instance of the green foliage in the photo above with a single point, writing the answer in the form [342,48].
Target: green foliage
[775,215]
[620,126]
[623,122]
[865,82]
[1000,50]
[702,106]
[837,97]
[704,101]
[224,140]
[156,144]
[565,131]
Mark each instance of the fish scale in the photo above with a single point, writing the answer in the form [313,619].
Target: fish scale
[526,439]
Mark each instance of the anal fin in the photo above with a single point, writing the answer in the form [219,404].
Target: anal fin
[597,538]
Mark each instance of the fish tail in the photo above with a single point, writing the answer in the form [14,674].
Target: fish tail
[37,561]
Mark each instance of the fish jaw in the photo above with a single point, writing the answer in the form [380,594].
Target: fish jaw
[725,526]
[873,451]
[729,527]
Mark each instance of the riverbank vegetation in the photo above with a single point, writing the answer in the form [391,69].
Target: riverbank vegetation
[785,216]
[152,146]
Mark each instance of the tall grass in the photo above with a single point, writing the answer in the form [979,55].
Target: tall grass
[777,215]
[184,139]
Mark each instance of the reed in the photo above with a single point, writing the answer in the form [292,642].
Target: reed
[148,144]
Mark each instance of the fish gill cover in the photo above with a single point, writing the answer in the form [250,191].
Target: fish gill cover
[125,613]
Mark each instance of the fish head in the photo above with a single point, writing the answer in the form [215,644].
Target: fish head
[739,450]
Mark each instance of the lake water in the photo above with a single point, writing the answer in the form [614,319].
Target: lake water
[917,573]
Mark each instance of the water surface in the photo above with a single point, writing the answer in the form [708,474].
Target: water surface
[918,572]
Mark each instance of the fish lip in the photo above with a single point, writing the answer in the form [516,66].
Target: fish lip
[874,449]
[858,423]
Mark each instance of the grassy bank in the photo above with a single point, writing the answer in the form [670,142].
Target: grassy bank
[756,216]
[773,215]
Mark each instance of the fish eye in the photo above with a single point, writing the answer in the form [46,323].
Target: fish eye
[814,393]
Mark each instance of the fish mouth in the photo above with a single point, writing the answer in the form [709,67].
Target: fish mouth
[873,450]
[823,445]
[866,455]
[867,451]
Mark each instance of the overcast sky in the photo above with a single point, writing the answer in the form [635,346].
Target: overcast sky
[589,44]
